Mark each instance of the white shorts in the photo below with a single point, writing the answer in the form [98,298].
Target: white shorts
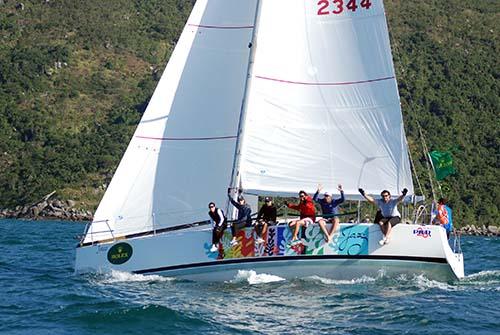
[307,221]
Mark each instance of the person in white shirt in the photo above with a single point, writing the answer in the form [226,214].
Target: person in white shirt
[389,210]
[219,224]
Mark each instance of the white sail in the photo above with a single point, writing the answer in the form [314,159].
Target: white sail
[182,152]
[323,105]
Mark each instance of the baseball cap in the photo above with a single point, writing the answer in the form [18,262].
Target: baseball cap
[240,197]
[327,194]
[267,199]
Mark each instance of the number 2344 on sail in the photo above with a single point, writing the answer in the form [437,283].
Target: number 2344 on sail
[326,7]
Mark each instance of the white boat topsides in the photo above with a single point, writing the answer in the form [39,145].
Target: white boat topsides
[353,253]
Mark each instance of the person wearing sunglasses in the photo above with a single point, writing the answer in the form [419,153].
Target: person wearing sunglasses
[389,210]
[329,208]
[219,225]
[307,214]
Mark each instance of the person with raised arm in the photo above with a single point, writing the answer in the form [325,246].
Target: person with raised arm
[389,210]
[219,224]
[329,208]
[307,214]
[244,215]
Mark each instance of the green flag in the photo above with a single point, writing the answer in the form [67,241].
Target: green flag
[442,162]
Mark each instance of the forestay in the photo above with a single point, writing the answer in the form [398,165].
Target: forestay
[323,104]
[182,152]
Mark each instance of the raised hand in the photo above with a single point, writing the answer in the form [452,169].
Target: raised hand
[339,187]
[361,191]
[405,190]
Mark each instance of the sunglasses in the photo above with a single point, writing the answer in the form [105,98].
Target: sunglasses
[211,206]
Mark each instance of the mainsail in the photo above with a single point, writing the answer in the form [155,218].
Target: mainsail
[182,152]
[323,106]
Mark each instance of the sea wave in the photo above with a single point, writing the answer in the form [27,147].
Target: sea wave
[328,281]
[482,275]
[423,283]
[116,276]
[253,277]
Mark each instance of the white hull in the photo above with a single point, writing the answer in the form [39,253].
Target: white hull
[354,253]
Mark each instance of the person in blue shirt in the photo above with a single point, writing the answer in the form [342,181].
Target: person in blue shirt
[330,210]
[244,216]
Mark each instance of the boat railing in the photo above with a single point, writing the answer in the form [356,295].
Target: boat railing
[89,226]
[457,243]
[421,215]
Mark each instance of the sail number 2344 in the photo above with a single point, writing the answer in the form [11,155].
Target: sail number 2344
[326,7]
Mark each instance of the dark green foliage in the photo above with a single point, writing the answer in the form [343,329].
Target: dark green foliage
[446,59]
[76,76]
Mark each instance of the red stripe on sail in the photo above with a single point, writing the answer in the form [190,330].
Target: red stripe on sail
[325,84]
[219,27]
[186,138]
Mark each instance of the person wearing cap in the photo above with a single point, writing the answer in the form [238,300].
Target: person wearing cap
[330,210]
[267,216]
[219,225]
[389,210]
[307,214]
[244,216]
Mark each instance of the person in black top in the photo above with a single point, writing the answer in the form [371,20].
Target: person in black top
[244,216]
[219,224]
[267,215]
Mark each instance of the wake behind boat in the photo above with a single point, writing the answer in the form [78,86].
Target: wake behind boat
[270,104]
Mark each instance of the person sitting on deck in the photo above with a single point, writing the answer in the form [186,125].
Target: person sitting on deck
[244,216]
[307,214]
[389,209]
[219,225]
[267,216]
[443,216]
[330,210]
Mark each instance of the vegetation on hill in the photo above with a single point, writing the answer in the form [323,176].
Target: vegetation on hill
[75,77]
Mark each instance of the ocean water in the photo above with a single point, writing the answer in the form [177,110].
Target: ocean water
[39,294]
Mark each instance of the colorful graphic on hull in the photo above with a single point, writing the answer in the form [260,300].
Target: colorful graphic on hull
[349,240]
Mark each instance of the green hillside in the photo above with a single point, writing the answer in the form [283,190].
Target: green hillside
[75,78]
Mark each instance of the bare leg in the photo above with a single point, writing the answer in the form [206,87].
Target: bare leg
[382,229]
[264,228]
[388,230]
[335,227]
[298,224]
[322,225]
[292,226]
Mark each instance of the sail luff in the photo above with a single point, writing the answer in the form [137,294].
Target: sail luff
[235,175]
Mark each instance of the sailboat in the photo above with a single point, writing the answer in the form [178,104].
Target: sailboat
[269,97]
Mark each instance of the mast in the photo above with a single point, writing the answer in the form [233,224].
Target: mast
[235,174]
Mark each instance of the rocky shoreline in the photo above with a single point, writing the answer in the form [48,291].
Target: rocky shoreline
[65,210]
[57,209]
[47,209]
[479,231]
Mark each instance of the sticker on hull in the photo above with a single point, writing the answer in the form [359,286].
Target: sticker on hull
[349,240]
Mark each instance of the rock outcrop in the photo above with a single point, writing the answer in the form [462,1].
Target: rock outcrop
[48,208]
[479,231]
